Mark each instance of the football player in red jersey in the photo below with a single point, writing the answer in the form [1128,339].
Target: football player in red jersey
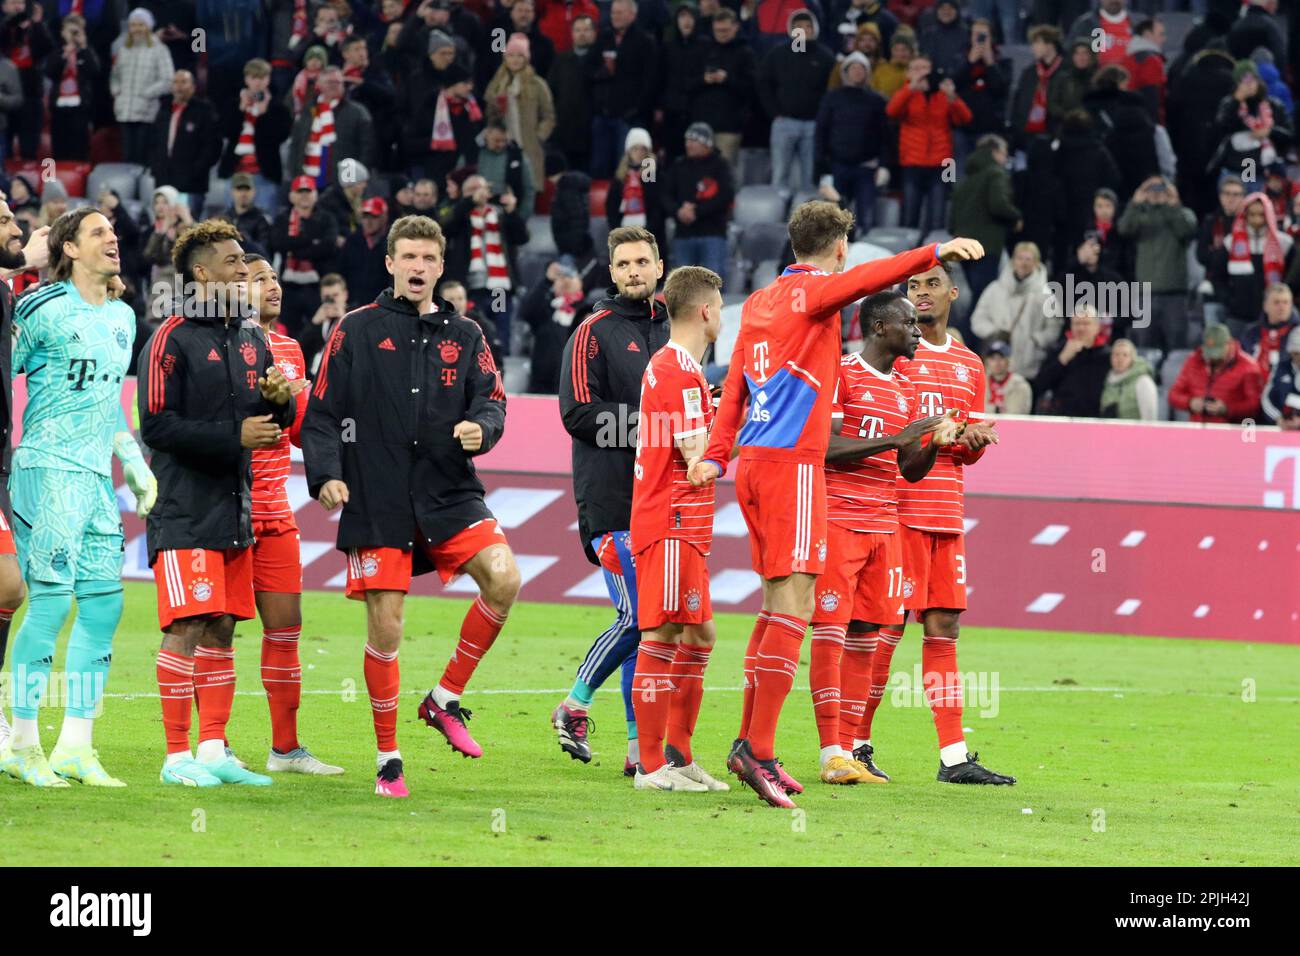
[277,561]
[948,378]
[786,355]
[672,530]
[875,437]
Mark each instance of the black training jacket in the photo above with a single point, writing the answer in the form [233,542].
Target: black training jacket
[197,383]
[391,388]
[600,400]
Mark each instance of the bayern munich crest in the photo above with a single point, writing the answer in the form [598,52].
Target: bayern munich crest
[902,404]
[828,601]
[692,600]
[962,373]
[201,589]
[369,566]
[908,587]
[449,351]
[287,369]
[821,550]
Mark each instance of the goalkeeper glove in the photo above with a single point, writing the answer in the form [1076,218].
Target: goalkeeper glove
[138,476]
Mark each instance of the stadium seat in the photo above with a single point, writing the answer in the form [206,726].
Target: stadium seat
[1195,271]
[889,210]
[801,197]
[133,208]
[599,230]
[218,193]
[939,235]
[124,178]
[894,238]
[105,146]
[759,203]
[765,273]
[1177,25]
[73,176]
[727,334]
[733,298]
[755,168]
[515,374]
[763,240]
[1172,365]
[1021,56]
[540,238]
[1162,404]
[145,186]
[1153,357]
[531,267]
[860,252]
[596,197]
[737,277]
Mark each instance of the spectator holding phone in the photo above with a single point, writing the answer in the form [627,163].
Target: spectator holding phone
[1218,382]
[552,309]
[926,109]
[333,306]
[1161,228]
[140,78]
[1073,375]
[74,72]
[170,216]
[254,128]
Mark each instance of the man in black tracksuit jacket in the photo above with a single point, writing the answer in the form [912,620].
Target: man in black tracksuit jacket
[406,395]
[600,396]
[208,394]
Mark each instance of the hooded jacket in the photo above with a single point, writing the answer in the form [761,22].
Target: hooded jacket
[792,83]
[983,206]
[852,127]
[707,183]
[1234,381]
[391,388]
[600,398]
[1019,310]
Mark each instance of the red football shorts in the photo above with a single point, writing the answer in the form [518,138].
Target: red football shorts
[194,582]
[389,569]
[863,580]
[6,532]
[934,569]
[277,557]
[672,585]
[784,504]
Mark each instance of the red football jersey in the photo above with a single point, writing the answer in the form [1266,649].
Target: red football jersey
[862,495]
[271,465]
[675,404]
[787,356]
[946,377]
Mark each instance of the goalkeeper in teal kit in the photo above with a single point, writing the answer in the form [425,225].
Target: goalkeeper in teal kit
[72,339]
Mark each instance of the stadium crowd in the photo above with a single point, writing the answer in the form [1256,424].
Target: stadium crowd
[1133,161]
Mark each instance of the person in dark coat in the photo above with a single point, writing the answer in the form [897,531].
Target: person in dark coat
[553,308]
[1040,99]
[1265,122]
[518,17]
[369,84]
[362,260]
[1073,375]
[1125,127]
[1084,165]
[28,43]
[679,62]
[1256,27]
[1040,197]
[623,84]
[983,83]
[247,216]
[1206,79]
[722,91]
[852,139]
[186,141]
[571,92]
[423,155]
[944,41]
[75,76]
[571,213]
[270,123]
[791,83]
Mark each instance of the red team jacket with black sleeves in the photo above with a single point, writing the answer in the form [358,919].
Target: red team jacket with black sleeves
[600,400]
[787,359]
[391,388]
[197,383]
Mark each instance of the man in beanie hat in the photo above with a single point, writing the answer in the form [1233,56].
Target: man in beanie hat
[698,193]
[852,130]
[1217,382]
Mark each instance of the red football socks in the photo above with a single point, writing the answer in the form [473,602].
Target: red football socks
[855,679]
[824,680]
[176,688]
[751,655]
[477,633]
[383,683]
[282,678]
[688,679]
[880,661]
[652,694]
[774,670]
[214,689]
[943,690]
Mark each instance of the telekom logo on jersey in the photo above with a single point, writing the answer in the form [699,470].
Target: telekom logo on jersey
[930,403]
[760,361]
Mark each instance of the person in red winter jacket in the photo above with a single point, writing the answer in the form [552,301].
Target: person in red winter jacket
[926,109]
[1218,382]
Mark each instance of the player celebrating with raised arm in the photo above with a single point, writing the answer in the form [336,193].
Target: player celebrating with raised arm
[876,438]
[209,393]
[14,258]
[600,385]
[672,529]
[73,340]
[277,559]
[407,395]
[786,357]
[948,378]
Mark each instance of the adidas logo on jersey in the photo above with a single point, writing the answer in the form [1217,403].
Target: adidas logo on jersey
[923,370]
[388,346]
[866,397]
[633,347]
[213,356]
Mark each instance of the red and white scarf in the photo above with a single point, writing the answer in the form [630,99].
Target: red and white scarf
[245,148]
[299,29]
[633,204]
[1259,120]
[69,92]
[1037,121]
[565,307]
[322,135]
[443,138]
[1239,256]
[487,255]
[304,88]
[998,392]
[297,269]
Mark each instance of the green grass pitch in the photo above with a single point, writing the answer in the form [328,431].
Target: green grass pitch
[1129,750]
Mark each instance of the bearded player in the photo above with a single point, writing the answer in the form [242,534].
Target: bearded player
[786,358]
[277,559]
[875,439]
[672,530]
[949,378]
